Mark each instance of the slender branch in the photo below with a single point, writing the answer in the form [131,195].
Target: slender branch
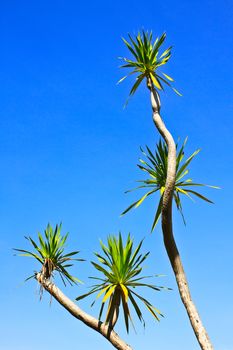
[82,316]
[169,241]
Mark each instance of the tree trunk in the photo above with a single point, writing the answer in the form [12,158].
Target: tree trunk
[167,229]
[75,311]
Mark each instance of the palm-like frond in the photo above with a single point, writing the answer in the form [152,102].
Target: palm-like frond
[49,251]
[121,266]
[147,60]
[155,166]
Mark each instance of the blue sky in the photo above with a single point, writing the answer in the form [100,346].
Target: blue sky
[69,151]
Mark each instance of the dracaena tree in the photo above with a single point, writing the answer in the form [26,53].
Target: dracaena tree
[146,64]
[120,264]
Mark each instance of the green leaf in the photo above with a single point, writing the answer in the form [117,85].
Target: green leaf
[200,196]
[186,163]
[138,202]
[165,53]
[136,85]
[109,293]
[168,77]
[177,92]
[157,214]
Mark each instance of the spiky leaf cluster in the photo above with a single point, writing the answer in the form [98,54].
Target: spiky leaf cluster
[50,252]
[155,166]
[121,267]
[147,61]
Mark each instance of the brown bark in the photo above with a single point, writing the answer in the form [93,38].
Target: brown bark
[87,319]
[169,241]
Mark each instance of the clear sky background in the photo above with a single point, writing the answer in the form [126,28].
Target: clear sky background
[69,150]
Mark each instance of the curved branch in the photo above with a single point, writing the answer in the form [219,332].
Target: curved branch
[87,319]
[168,237]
